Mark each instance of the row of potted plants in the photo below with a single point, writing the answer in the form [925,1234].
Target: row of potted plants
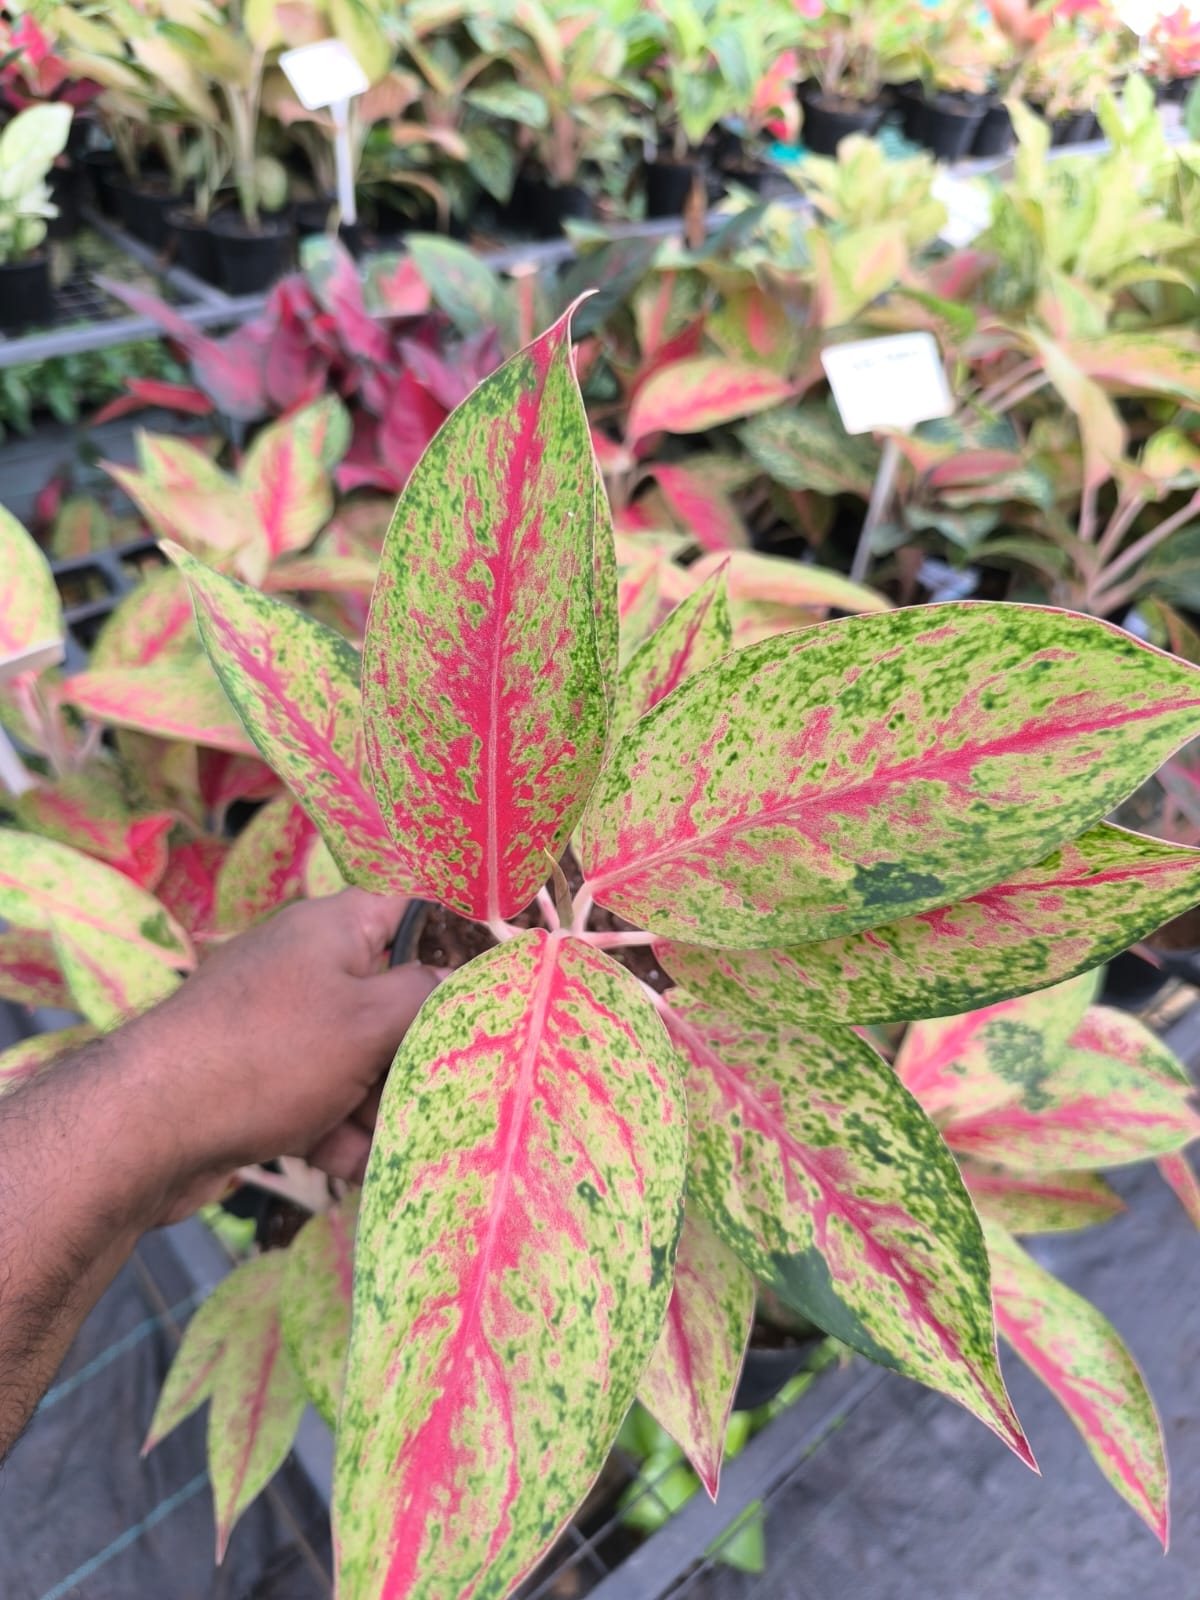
[503,119]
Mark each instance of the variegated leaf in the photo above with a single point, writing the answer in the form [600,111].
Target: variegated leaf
[875,767]
[1081,1359]
[265,867]
[294,684]
[89,811]
[188,887]
[287,474]
[318,1284]
[638,598]
[109,981]
[757,577]
[694,635]
[152,623]
[29,971]
[30,611]
[1040,1202]
[1071,912]
[233,1355]
[962,1066]
[701,507]
[688,1387]
[484,696]
[701,392]
[50,887]
[1089,1111]
[826,1178]
[1177,1171]
[513,1268]
[31,1056]
[171,699]
[1109,1032]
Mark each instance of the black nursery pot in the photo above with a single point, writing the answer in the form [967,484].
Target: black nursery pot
[192,244]
[145,210]
[103,171]
[827,124]
[669,186]
[251,259]
[25,294]
[312,216]
[949,125]
[994,134]
[766,1371]
[66,186]
[1131,982]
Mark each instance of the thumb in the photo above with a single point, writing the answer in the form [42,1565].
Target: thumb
[392,1000]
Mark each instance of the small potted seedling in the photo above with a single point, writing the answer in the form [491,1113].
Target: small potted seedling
[29,146]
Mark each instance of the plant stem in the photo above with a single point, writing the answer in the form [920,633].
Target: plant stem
[987,399]
[1087,512]
[502,931]
[581,910]
[617,941]
[1022,392]
[545,901]
[1119,525]
[1104,593]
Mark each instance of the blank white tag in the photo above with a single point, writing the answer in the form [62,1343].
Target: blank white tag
[893,382]
[323,73]
[32,660]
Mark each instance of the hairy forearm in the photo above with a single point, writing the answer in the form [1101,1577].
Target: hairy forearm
[83,1172]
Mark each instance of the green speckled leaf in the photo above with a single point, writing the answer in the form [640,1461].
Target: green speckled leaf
[961,1066]
[1081,1359]
[513,1268]
[1073,911]
[30,1056]
[694,635]
[109,981]
[318,1282]
[30,611]
[484,691]
[822,1173]
[233,1355]
[266,865]
[294,684]
[875,767]
[688,1387]
[1040,1202]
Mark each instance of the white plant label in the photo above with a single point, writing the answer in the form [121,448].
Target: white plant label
[323,73]
[893,382]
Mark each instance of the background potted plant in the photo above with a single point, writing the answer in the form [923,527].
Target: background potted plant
[29,144]
[958,57]
[851,50]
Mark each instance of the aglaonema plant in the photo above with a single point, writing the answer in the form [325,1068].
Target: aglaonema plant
[575,1179]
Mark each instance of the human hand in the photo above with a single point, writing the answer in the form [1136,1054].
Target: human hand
[278,1044]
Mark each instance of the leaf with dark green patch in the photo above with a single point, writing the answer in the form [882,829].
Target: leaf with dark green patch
[1040,1202]
[875,767]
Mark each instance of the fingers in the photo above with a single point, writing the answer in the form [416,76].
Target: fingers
[373,918]
[392,1000]
[343,1153]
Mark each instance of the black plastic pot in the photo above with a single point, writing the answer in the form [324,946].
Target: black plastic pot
[103,171]
[1131,982]
[766,1371]
[408,934]
[313,216]
[827,123]
[994,135]
[144,209]
[948,126]
[1074,128]
[25,294]
[670,185]
[250,260]
[191,244]
[66,186]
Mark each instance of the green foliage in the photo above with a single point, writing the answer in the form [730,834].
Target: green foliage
[70,387]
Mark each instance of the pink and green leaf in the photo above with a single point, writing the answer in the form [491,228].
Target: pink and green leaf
[287,474]
[700,507]
[233,1355]
[818,1169]
[1082,1360]
[89,812]
[1179,1174]
[29,972]
[702,392]
[318,1285]
[484,693]
[876,767]
[153,623]
[109,981]
[755,577]
[170,699]
[1073,911]
[266,864]
[188,888]
[48,886]
[695,634]
[294,685]
[688,1387]
[960,1067]
[29,1057]
[513,1268]
[30,610]
[1040,1202]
